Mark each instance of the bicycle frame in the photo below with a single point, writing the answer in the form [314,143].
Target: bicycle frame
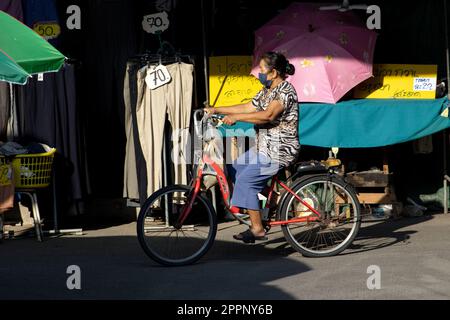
[325,239]
[226,195]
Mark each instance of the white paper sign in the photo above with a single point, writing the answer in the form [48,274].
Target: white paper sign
[424,84]
[40,77]
[158,77]
[156,22]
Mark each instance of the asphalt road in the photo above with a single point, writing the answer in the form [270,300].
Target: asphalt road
[412,254]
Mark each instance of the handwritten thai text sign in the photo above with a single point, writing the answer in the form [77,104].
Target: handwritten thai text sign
[230,82]
[398,81]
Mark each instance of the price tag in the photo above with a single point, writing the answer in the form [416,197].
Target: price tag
[40,77]
[424,84]
[158,77]
[157,22]
[47,30]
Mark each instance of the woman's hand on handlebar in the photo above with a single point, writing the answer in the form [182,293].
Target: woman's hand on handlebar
[210,110]
[229,120]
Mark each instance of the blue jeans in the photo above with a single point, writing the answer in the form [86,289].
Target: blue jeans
[250,174]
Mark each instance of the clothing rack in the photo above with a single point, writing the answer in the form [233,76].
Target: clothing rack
[152,58]
[163,57]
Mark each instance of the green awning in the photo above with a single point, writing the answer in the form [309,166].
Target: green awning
[11,71]
[363,123]
[25,48]
[367,123]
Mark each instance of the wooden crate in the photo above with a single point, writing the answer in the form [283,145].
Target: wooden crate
[369,179]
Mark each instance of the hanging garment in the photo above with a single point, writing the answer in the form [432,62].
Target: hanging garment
[47,112]
[5,105]
[175,100]
[141,165]
[135,171]
[112,35]
[13,8]
[130,186]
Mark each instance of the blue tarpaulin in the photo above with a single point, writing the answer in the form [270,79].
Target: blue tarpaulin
[363,123]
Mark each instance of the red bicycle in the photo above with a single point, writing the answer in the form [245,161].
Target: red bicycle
[318,211]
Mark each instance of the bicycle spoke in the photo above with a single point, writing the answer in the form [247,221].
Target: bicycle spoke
[304,234]
[334,237]
[325,240]
[197,231]
[337,236]
[337,210]
[176,245]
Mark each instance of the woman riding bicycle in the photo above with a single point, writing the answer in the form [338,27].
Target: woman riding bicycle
[274,111]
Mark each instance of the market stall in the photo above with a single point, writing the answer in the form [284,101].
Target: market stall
[357,121]
[31,71]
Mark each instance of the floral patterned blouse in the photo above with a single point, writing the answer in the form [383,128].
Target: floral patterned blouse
[279,139]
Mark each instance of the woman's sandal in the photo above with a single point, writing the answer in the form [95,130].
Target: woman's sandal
[248,237]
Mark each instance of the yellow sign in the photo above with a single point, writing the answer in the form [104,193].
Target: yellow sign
[5,174]
[230,82]
[47,30]
[399,81]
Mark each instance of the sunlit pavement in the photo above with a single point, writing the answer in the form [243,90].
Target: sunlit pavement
[412,254]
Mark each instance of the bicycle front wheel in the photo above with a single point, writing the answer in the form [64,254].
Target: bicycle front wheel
[338,222]
[162,237]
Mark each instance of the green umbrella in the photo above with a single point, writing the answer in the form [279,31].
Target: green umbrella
[11,71]
[23,52]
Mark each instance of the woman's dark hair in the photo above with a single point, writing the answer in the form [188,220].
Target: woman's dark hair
[278,61]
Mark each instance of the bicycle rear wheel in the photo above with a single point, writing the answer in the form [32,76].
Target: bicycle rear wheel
[161,236]
[339,220]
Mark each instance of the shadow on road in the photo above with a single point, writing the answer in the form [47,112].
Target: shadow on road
[371,236]
[374,236]
[116,268]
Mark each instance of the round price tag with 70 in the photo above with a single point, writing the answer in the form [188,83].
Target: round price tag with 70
[157,77]
[157,22]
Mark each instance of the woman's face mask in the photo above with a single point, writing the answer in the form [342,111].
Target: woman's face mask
[263,79]
[264,74]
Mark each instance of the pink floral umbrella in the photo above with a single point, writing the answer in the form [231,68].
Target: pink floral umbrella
[332,51]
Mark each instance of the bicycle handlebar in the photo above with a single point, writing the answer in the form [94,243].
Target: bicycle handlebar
[198,123]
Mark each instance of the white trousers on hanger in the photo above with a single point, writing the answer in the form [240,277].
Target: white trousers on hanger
[130,188]
[175,100]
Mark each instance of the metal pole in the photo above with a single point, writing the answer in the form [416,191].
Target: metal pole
[55,206]
[447,53]
[56,230]
[205,62]
[205,50]
[165,177]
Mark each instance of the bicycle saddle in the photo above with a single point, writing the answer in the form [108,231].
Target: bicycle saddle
[311,166]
